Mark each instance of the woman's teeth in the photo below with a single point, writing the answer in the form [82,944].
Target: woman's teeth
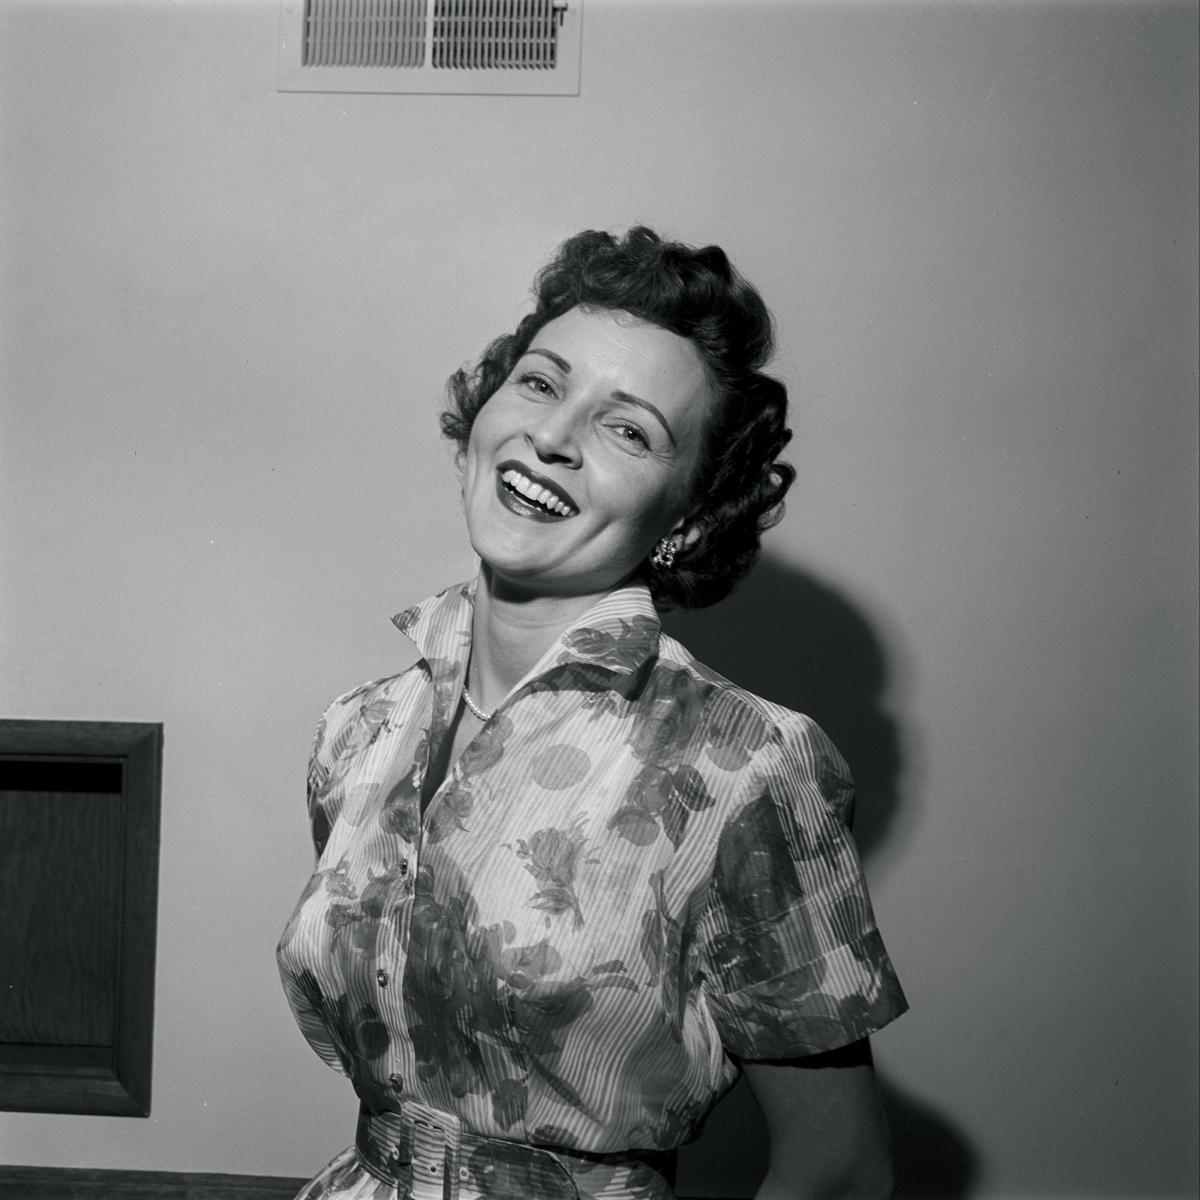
[536,494]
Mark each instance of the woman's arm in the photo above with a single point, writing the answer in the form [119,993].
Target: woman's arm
[829,1135]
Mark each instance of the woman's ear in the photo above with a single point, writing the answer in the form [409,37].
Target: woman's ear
[685,534]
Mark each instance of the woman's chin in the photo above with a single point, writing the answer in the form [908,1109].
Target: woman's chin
[515,571]
[529,582]
[531,570]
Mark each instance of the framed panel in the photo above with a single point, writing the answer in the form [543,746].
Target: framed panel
[79,834]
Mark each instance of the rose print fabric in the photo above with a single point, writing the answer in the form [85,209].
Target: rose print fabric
[634,872]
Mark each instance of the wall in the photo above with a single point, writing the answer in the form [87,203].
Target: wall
[226,317]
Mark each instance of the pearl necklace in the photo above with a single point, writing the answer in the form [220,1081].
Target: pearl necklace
[483,716]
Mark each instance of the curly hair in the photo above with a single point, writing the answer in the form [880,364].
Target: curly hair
[697,294]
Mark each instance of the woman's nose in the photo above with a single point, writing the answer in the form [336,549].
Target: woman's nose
[555,437]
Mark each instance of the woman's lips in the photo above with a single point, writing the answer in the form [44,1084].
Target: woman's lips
[517,503]
[527,493]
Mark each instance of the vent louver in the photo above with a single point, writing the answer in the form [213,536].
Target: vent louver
[387,33]
[506,34]
[527,47]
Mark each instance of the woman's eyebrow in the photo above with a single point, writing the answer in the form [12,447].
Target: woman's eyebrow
[557,360]
[630,398]
[624,397]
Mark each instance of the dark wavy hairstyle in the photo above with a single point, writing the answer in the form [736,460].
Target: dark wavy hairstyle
[695,293]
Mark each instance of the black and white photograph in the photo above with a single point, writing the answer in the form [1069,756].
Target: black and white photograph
[599,599]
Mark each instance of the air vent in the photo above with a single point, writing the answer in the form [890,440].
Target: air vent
[516,47]
[391,34]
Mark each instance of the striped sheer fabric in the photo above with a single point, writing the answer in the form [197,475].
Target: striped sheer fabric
[466,34]
[635,871]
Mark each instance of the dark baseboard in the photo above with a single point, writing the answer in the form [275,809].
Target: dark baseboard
[66,1183]
[62,1183]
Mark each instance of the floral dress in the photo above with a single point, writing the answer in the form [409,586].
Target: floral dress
[635,874]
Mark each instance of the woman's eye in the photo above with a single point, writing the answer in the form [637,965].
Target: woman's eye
[632,434]
[537,383]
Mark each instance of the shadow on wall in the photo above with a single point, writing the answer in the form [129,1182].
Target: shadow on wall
[794,640]
[933,1159]
[797,641]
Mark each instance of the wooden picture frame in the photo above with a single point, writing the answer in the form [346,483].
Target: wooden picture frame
[79,840]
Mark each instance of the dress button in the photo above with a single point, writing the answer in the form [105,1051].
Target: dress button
[403,866]
[464,1174]
[381,977]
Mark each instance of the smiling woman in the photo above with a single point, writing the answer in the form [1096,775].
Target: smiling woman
[567,441]
[569,881]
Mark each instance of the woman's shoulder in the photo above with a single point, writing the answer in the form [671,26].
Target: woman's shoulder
[364,702]
[364,694]
[775,736]
[722,693]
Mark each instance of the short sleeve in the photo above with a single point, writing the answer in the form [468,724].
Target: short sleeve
[341,731]
[791,960]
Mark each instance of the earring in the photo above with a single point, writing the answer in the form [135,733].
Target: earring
[664,554]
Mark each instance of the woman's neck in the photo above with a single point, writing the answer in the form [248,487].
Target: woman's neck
[510,632]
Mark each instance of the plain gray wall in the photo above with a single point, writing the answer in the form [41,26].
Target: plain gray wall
[227,315]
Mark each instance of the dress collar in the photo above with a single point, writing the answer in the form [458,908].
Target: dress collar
[619,633]
[440,627]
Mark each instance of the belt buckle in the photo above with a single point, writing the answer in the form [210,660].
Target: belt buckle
[436,1148]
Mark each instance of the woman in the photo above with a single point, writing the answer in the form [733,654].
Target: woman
[569,881]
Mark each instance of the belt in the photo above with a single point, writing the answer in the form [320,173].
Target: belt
[426,1154]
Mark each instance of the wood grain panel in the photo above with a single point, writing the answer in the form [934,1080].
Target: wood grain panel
[80,805]
[60,892]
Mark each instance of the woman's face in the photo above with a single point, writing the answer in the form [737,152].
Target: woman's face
[586,455]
